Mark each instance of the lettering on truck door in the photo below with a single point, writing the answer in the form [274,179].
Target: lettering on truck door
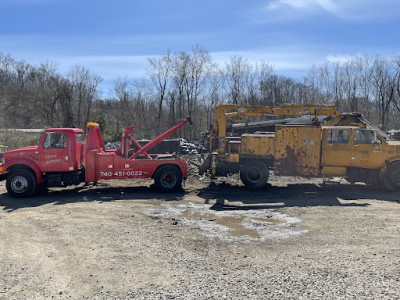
[54,154]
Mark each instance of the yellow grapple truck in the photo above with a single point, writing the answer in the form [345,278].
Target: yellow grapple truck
[300,140]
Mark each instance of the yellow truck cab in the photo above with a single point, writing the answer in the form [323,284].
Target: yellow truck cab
[360,154]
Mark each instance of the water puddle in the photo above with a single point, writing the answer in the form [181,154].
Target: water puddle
[236,227]
[243,225]
[235,224]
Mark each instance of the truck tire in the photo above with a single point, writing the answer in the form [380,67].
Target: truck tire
[254,175]
[168,179]
[21,183]
[391,177]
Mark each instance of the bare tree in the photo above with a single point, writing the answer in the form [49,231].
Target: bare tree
[17,91]
[181,62]
[159,72]
[397,80]
[44,95]
[237,72]
[84,88]
[337,84]
[351,71]
[315,83]
[199,70]
[125,109]
[365,84]
[383,84]
[215,97]
[191,73]
[6,74]
[265,75]
[65,98]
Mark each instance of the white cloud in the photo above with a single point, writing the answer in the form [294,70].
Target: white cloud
[283,10]
[330,6]
[277,4]
[340,58]
[362,9]
[282,58]
[344,9]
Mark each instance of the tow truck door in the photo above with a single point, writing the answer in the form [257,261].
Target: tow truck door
[55,152]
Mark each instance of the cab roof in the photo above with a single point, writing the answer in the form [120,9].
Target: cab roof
[63,129]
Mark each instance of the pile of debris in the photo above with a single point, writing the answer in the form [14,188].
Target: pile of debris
[179,146]
[112,145]
[394,134]
[190,148]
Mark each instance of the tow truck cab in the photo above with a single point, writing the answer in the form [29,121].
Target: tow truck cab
[59,157]
[61,150]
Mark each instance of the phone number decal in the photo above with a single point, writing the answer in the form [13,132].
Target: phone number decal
[121,173]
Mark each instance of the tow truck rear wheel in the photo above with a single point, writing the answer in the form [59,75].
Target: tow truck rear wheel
[254,174]
[168,179]
[21,183]
[391,177]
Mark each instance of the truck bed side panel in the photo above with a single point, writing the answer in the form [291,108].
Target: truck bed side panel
[257,146]
[298,150]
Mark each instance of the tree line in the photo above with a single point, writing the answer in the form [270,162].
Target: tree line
[184,84]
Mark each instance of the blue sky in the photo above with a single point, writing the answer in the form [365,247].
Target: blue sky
[114,38]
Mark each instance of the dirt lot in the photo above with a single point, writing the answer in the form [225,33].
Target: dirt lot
[296,239]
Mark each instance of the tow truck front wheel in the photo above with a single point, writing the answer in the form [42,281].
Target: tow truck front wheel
[21,183]
[168,179]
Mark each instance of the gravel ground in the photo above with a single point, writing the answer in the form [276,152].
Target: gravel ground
[296,239]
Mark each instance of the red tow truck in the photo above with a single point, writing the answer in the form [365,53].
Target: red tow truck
[63,159]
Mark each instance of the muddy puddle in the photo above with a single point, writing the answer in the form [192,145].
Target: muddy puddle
[243,225]
[236,227]
[234,223]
